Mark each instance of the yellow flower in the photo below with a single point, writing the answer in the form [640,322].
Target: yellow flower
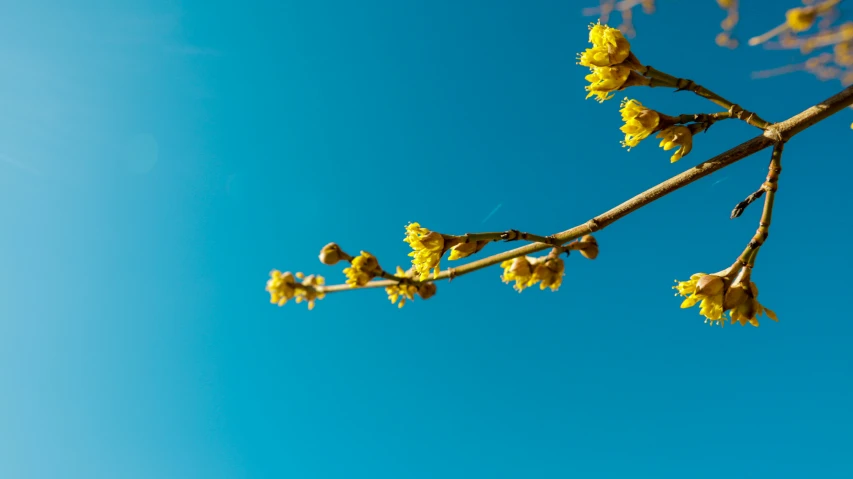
[427,246]
[605,80]
[463,250]
[601,35]
[800,19]
[310,293]
[640,122]
[548,273]
[363,268]
[518,270]
[679,136]
[750,309]
[401,291]
[707,288]
[609,47]
[281,286]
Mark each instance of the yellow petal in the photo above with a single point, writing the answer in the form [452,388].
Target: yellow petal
[689,302]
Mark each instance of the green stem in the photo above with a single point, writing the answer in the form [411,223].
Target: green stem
[750,262]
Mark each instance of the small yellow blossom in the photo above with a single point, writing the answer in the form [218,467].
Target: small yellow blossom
[609,47]
[710,291]
[463,250]
[548,273]
[640,122]
[402,291]
[427,246]
[518,270]
[362,269]
[310,293]
[750,309]
[281,286]
[676,136]
[601,35]
[603,81]
[800,19]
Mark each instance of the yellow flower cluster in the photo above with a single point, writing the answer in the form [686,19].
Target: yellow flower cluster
[610,62]
[676,136]
[310,293]
[406,289]
[518,270]
[717,294]
[744,305]
[427,246]
[549,273]
[526,271]
[362,269]
[603,81]
[609,47]
[401,291]
[709,293]
[283,287]
[640,122]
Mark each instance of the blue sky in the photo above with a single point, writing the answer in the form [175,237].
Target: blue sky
[158,158]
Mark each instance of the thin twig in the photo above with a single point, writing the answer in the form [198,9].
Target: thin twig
[733,108]
[740,207]
[770,185]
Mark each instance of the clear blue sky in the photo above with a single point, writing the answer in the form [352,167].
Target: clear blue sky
[159,158]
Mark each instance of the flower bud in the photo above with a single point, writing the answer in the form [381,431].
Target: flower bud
[588,247]
[330,254]
[735,296]
[710,285]
[427,290]
[800,19]
[463,250]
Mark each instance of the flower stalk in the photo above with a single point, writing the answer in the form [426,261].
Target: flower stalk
[770,186]
[733,109]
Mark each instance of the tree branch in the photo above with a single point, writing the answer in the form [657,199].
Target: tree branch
[775,133]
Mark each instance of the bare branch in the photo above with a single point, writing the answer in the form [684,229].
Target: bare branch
[775,133]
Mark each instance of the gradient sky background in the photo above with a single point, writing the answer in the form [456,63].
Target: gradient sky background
[159,158]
